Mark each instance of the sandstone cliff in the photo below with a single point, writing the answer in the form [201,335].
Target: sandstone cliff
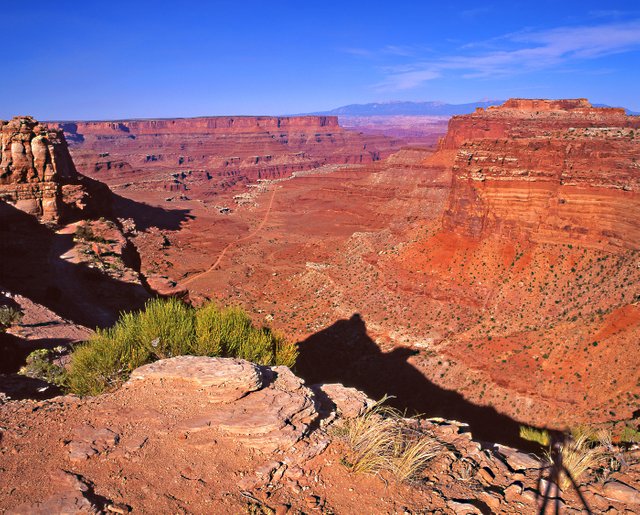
[531,275]
[36,171]
[546,171]
[216,153]
[200,125]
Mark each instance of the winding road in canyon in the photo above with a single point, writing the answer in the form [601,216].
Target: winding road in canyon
[233,243]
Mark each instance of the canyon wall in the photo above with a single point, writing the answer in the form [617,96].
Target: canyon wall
[212,124]
[546,171]
[531,275]
[518,118]
[215,153]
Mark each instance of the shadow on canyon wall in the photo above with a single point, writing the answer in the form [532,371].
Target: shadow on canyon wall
[31,265]
[344,353]
[104,202]
[146,216]
[15,349]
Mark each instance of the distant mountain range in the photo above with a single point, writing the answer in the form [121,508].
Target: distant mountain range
[408,108]
[629,112]
[416,108]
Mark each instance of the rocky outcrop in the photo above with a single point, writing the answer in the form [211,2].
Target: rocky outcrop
[220,380]
[218,434]
[73,494]
[35,166]
[265,408]
[546,171]
[62,246]
[37,174]
[521,117]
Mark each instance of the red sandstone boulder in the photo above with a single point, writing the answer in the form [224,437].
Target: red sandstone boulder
[264,408]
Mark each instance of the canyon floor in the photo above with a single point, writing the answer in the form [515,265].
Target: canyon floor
[490,280]
[351,262]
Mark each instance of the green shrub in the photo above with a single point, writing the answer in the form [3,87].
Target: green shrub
[286,352]
[166,328]
[630,435]
[85,232]
[40,365]
[108,357]
[531,434]
[9,316]
[209,331]
[229,332]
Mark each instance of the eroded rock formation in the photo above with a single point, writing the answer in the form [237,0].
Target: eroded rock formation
[37,174]
[546,171]
[214,153]
[61,243]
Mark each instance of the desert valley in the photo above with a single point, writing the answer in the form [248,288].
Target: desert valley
[395,306]
[487,279]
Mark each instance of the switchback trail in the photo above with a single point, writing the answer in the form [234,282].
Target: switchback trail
[233,243]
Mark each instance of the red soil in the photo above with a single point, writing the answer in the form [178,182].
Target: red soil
[506,261]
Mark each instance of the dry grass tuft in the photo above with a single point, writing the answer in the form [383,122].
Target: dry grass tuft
[578,455]
[381,439]
[413,453]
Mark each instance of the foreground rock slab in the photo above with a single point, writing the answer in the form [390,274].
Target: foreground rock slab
[222,379]
[217,435]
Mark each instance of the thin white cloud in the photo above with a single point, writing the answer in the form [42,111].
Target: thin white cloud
[399,50]
[521,52]
[388,50]
[612,13]
[478,11]
[358,52]
[408,79]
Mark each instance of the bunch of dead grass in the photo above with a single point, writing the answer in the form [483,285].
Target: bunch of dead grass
[382,439]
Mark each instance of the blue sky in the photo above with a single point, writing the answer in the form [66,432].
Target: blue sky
[96,60]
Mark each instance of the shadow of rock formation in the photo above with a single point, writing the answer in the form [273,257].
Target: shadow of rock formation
[15,349]
[146,216]
[31,265]
[344,353]
[102,201]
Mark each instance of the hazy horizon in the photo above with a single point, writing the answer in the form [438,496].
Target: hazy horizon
[149,60]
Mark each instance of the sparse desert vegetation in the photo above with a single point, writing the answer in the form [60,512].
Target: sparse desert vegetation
[381,439]
[41,364]
[167,328]
[9,316]
[532,434]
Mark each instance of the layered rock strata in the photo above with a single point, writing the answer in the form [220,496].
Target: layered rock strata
[37,174]
[215,153]
[546,171]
